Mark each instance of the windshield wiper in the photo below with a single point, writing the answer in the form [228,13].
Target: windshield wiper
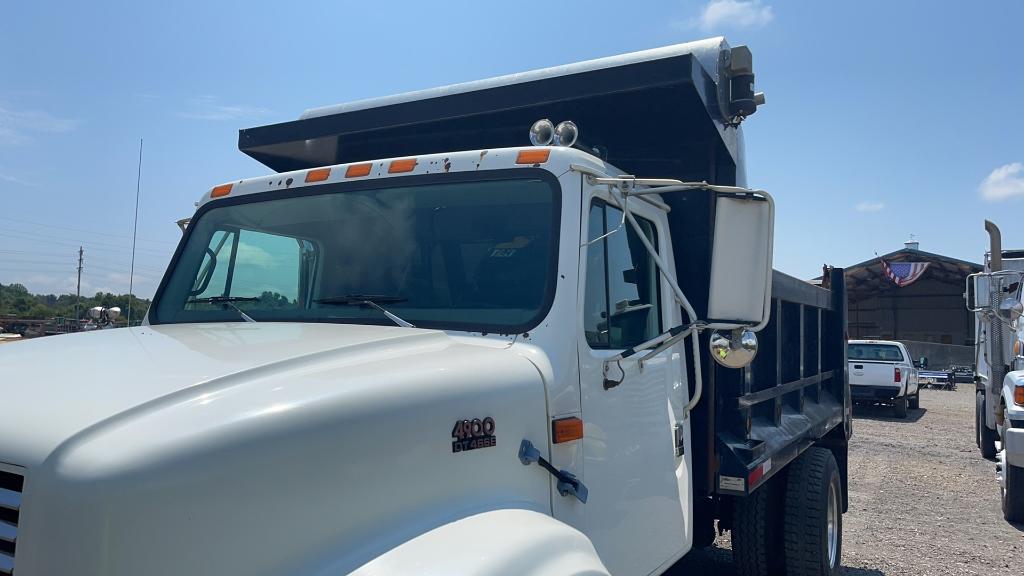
[368,300]
[227,302]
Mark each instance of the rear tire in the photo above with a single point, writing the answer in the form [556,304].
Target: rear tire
[813,519]
[900,407]
[915,401]
[1013,494]
[757,532]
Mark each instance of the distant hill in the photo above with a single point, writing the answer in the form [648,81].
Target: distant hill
[16,300]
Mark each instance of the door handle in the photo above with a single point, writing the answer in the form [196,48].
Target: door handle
[680,437]
[858,366]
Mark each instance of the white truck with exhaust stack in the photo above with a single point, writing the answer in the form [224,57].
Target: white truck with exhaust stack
[449,335]
[994,295]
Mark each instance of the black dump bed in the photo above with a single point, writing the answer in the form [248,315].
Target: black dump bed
[663,113]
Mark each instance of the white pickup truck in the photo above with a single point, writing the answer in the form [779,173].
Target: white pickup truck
[882,372]
[447,337]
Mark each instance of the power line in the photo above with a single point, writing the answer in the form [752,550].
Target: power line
[81,230]
[101,246]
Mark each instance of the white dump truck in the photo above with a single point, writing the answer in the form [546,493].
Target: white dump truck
[994,295]
[527,325]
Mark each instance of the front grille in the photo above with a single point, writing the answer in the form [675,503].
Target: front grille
[11,486]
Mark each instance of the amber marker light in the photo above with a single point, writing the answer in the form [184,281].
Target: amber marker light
[357,170]
[566,429]
[318,175]
[538,156]
[222,190]
[404,165]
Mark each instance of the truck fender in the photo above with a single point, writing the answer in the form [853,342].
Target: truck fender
[1013,438]
[511,542]
[1011,381]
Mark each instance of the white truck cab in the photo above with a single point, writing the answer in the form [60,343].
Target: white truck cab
[882,371]
[483,361]
[995,296]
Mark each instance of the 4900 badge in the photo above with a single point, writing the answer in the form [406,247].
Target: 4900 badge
[473,434]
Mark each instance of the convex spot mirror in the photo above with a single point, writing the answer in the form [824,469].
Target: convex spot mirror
[741,260]
[735,349]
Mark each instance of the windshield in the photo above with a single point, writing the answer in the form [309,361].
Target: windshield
[469,255]
[881,352]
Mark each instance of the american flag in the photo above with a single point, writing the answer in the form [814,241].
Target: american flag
[904,273]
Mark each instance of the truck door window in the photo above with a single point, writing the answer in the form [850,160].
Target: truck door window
[621,304]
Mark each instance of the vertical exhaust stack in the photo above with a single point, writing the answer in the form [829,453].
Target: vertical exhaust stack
[999,332]
[995,246]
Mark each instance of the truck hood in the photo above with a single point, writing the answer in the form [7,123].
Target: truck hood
[316,447]
[53,388]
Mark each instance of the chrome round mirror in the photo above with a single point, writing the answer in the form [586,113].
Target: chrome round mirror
[735,349]
[542,132]
[112,313]
[95,312]
[1011,309]
[566,133]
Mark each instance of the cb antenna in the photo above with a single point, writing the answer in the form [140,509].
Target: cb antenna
[135,231]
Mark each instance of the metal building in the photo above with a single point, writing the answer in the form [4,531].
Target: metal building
[915,297]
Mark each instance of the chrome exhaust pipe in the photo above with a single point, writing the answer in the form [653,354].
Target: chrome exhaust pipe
[995,247]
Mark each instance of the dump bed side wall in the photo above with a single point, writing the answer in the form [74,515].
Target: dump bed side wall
[795,394]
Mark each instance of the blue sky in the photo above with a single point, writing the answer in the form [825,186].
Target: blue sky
[882,119]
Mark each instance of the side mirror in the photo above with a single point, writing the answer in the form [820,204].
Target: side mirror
[95,312]
[741,260]
[976,284]
[112,313]
[1010,310]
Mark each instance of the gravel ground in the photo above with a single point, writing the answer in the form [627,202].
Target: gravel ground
[922,499]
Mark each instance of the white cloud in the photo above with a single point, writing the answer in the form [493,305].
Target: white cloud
[718,14]
[869,206]
[15,180]
[1003,183]
[208,108]
[18,126]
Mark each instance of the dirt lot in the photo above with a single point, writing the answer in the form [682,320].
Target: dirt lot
[922,499]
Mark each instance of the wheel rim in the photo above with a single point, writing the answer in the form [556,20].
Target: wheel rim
[833,525]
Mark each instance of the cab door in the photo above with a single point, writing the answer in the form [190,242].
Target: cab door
[635,460]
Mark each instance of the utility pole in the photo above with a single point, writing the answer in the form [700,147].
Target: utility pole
[78,291]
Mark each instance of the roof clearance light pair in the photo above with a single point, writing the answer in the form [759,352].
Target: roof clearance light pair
[544,133]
